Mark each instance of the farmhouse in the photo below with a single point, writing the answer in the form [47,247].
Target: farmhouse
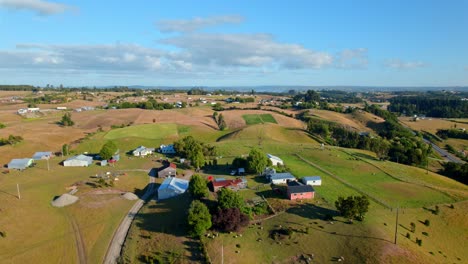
[297,190]
[142,151]
[20,164]
[171,187]
[78,161]
[275,160]
[168,170]
[234,185]
[281,178]
[312,180]
[167,149]
[42,155]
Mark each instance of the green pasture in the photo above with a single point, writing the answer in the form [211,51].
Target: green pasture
[253,119]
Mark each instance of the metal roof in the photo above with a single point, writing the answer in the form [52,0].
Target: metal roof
[176,184]
[312,178]
[284,175]
[39,155]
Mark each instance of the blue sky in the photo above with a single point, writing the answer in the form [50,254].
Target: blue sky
[234,43]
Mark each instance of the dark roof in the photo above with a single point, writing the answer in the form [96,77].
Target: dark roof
[297,187]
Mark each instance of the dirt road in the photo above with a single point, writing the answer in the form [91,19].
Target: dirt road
[115,246]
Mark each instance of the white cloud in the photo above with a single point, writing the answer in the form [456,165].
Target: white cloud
[352,58]
[39,6]
[247,50]
[194,24]
[404,65]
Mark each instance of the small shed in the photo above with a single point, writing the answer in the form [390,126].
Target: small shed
[142,151]
[297,190]
[312,180]
[42,155]
[78,161]
[20,164]
[168,170]
[281,178]
[103,163]
[171,187]
[167,149]
[276,161]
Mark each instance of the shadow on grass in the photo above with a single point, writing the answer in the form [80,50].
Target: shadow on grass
[260,179]
[348,235]
[311,211]
[8,193]
[217,169]
[364,156]
[141,192]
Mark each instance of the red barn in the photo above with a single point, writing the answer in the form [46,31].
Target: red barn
[297,190]
[231,184]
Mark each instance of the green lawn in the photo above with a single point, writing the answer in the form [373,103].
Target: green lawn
[254,119]
[149,131]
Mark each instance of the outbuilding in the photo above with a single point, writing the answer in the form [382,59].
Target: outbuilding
[312,180]
[171,187]
[168,170]
[275,160]
[20,164]
[167,149]
[297,190]
[235,185]
[42,155]
[78,161]
[142,151]
[281,178]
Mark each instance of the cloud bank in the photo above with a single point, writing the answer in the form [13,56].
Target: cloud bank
[41,7]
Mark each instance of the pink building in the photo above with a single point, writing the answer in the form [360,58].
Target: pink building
[297,190]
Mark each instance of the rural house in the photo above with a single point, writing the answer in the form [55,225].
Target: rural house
[168,170]
[167,149]
[142,151]
[281,178]
[297,190]
[234,185]
[42,155]
[312,180]
[78,161]
[171,187]
[275,160]
[20,164]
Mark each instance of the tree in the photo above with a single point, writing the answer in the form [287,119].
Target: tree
[362,206]
[66,120]
[198,187]
[229,199]
[230,219]
[257,161]
[353,206]
[65,150]
[108,150]
[199,218]
[412,227]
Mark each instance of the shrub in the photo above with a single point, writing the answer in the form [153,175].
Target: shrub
[408,235]
[425,233]
[427,222]
[230,219]
[419,241]
[413,227]
[437,210]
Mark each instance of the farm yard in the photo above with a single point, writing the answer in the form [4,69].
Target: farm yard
[301,229]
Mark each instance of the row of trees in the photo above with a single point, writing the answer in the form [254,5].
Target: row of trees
[452,133]
[430,105]
[151,104]
[456,171]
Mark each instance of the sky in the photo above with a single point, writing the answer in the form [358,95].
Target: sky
[234,43]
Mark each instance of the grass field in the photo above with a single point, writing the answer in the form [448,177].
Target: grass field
[259,119]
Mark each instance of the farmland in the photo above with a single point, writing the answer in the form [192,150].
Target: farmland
[43,229]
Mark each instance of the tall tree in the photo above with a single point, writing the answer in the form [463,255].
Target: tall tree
[108,150]
[257,161]
[198,187]
[199,218]
[66,120]
[229,199]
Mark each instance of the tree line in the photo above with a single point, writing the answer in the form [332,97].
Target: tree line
[452,133]
[430,105]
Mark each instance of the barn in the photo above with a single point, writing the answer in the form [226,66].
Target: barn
[171,187]
[20,164]
[168,170]
[276,161]
[297,190]
[78,161]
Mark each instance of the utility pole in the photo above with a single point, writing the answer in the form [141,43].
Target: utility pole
[396,225]
[17,188]
[48,167]
[222,253]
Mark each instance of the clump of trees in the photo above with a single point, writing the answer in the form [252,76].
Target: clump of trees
[198,187]
[108,150]
[232,213]
[219,119]
[456,171]
[353,207]
[65,150]
[2,125]
[66,120]
[10,140]
[435,105]
[452,133]
[256,162]
[195,151]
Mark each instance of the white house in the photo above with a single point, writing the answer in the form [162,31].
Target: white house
[171,187]
[78,161]
[312,180]
[142,151]
[275,160]
[167,149]
[281,178]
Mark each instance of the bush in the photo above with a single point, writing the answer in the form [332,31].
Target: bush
[425,233]
[408,235]
[419,241]
[230,219]
[413,227]
[427,222]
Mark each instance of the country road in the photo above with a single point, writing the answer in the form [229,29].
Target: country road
[445,155]
[115,246]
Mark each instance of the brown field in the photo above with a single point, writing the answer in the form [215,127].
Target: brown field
[359,121]
[431,124]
